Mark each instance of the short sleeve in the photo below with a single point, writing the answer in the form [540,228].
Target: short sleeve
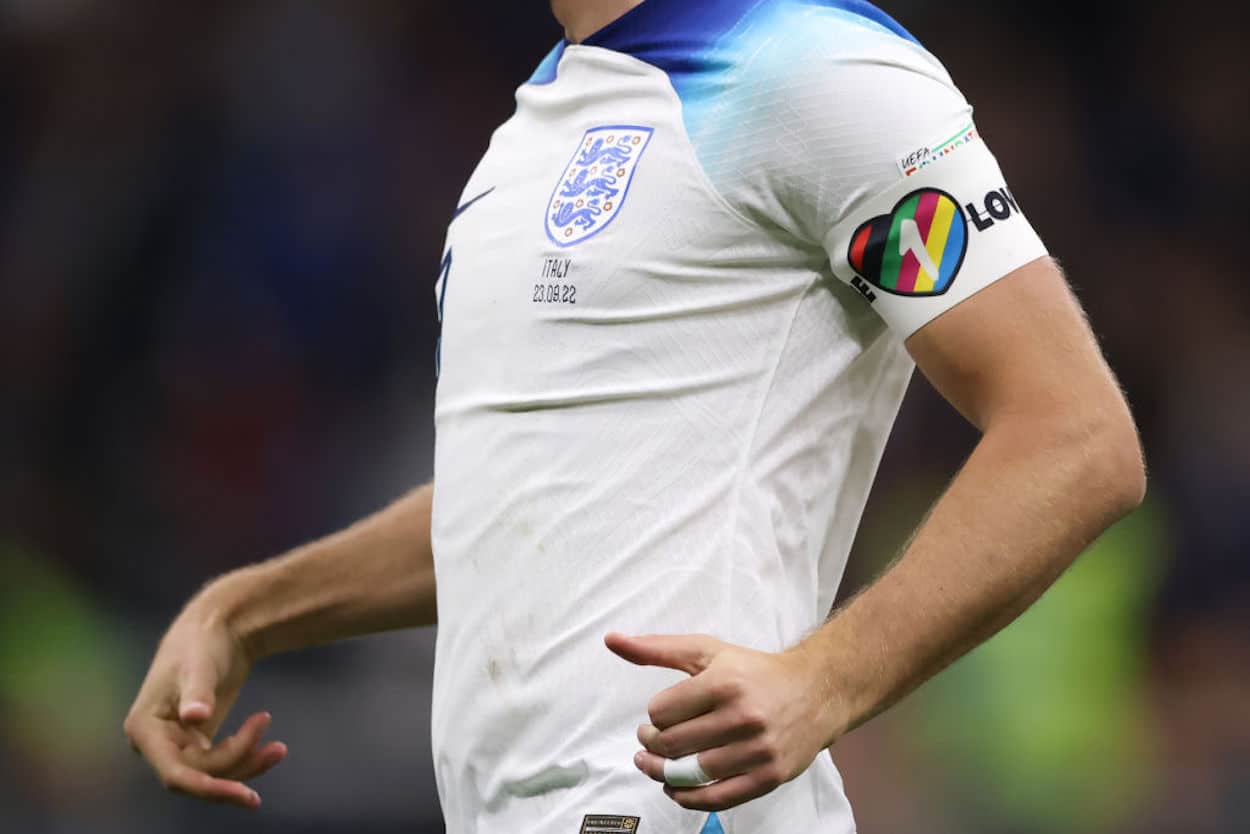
[866,149]
[930,219]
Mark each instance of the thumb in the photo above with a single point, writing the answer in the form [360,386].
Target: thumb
[689,653]
[197,686]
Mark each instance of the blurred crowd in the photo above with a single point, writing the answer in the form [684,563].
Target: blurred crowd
[220,225]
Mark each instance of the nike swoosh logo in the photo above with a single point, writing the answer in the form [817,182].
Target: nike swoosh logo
[466,206]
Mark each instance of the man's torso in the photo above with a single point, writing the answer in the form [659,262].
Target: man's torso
[655,414]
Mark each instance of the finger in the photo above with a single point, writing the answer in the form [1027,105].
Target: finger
[722,795]
[689,653]
[703,732]
[233,749]
[221,708]
[199,738]
[229,752]
[184,737]
[731,760]
[718,763]
[187,780]
[683,701]
[650,764]
[669,771]
[147,736]
[197,685]
[164,756]
[258,762]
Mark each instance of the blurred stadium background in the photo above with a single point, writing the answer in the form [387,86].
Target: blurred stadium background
[219,230]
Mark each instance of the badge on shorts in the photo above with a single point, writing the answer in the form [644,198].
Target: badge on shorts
[604,824]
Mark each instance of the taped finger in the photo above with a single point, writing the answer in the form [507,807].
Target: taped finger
[685,772]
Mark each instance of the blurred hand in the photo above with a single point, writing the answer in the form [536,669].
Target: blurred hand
[756,720]
[194,679]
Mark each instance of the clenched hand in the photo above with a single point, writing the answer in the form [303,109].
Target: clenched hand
[756,720]
[193,681]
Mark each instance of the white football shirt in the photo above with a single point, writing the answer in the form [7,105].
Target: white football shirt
[673,305]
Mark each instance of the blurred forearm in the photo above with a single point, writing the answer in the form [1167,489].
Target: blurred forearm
[377,575]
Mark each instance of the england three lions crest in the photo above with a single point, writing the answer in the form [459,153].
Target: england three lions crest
[593,187]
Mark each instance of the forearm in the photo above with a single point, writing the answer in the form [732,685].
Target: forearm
[376,575]
[1031,497]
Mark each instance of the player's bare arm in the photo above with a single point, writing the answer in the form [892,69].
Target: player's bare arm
[1058,462]
[375,576]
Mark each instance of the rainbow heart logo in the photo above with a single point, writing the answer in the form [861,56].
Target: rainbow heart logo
[915,250]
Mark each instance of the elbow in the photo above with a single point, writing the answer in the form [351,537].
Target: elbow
[1115,470]
[1092,451]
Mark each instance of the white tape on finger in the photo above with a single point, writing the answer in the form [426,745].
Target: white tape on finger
[685,772]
